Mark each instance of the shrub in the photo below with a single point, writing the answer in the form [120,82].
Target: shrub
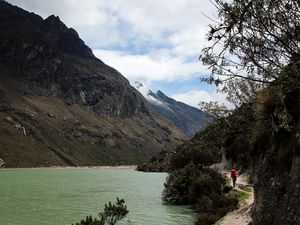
[111,214]
[178,185]
[187,185]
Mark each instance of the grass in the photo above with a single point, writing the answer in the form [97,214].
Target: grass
[242,196]
[218,223]
[246,188]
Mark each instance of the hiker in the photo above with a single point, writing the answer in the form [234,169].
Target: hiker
[233,176]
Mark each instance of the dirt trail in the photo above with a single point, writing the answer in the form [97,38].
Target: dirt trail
[240,216]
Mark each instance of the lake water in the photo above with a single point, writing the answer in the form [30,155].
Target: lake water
[64,196]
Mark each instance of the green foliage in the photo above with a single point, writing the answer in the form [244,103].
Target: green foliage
[232,135]
[214,208]
[191,181]
[186,185]
[245,188]
[217,223]
[111,214]
[90,221]
[159,163]
[201,187]
[214,110]
[200,150]
[238,131]
[179,184]
[195,154]
[253,44]
[241,196]
[254,58]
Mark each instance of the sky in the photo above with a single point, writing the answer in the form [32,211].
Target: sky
[155,42]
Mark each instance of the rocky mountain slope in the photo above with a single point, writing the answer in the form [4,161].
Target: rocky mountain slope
[187,118]
[60,105]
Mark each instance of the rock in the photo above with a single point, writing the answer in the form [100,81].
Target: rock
[9,119]
[2,163]
[49,114]
[6,108]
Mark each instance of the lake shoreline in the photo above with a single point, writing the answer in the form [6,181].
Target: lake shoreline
[71,167]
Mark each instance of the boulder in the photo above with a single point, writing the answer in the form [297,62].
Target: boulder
[2,163]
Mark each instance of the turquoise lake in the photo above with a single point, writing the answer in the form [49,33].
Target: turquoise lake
[62,196]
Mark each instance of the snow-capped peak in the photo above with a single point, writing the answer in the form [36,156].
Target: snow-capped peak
[145,91]
[149,95]
[138,85]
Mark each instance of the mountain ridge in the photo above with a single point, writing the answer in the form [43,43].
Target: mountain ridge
[187,118]
[65,106]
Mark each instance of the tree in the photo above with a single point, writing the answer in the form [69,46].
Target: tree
[111,214]
[214,110]
[254,44]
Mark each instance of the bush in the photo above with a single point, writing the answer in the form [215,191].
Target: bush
[187,185]
[212,209]
[110,216]
[203,188]
[178,185]
[206,219]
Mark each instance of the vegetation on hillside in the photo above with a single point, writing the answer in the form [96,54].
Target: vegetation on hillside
[158,163]
[254,56]
[192,181]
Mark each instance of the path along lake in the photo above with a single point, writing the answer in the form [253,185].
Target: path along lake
[63,196]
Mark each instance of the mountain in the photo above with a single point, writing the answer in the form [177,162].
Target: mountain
[60,105]
[187,118]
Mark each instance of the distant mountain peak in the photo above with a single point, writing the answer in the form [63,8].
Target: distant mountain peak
[160,93]
[145,91]
[163,96]
[187,118]
[66,39]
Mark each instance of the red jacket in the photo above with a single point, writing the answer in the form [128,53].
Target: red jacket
[233,173]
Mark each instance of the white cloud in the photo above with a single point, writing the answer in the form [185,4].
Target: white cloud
[154,18]
[72,12]
[193,97]
[138,23]
[155,66]
[189,41]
